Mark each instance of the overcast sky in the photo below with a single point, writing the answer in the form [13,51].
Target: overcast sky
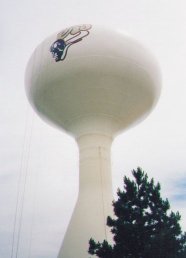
[39,163]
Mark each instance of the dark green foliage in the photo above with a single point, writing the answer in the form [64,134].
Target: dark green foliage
[143,227]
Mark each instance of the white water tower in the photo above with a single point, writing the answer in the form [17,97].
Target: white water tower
[93,83]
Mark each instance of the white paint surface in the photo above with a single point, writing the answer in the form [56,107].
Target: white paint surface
[95,197]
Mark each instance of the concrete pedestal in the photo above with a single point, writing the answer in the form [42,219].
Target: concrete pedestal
[95,198]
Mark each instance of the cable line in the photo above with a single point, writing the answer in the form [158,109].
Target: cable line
[19,184]
[20,196]
[24,190]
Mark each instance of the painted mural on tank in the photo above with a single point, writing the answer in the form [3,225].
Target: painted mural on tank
[67,38]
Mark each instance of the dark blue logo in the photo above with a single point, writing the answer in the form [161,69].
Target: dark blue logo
[66,38]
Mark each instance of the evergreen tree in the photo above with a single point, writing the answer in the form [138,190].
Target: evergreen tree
[143,227]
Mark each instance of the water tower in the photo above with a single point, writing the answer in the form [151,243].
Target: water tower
[93,83]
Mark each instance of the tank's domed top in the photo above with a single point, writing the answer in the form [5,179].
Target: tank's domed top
[90,79]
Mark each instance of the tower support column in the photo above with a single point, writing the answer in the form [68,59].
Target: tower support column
[95,198]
